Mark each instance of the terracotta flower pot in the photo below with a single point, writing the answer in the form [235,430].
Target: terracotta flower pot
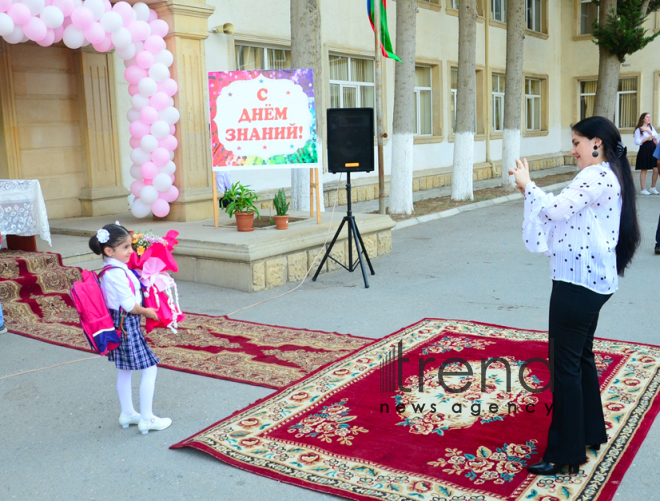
[282,222]
[244,221]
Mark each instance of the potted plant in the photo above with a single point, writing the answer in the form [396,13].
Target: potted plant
[282,207]
[241,202]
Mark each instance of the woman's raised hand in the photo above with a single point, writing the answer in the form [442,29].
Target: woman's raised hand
[521,174]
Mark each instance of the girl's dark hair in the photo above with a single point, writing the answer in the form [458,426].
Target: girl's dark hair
[117,234]
[640,122]
[629,236]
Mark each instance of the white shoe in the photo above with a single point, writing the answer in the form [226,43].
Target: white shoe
[155,423]
[125,420]
[3,329]
[654,191]
[645,192]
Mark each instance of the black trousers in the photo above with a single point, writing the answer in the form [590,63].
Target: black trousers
[577,410]
[657,233]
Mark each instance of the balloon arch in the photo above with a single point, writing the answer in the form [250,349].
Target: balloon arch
[137,35]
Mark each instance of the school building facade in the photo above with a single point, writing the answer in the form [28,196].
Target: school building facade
[63,112]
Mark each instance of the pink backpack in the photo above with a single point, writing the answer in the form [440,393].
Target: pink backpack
[95,318]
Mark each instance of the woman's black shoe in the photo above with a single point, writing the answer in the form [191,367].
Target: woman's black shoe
[594,447]
[545,468]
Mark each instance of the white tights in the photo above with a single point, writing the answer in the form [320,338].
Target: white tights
[147,387]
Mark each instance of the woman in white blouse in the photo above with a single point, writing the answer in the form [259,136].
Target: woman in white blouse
[590,232]
[646,137]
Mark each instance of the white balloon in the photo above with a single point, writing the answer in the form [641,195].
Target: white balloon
[171,155]
[127,53]
[162,182]
[130,199]
[136,172]
[73,37]
[159,72]
[97,7]
[111,21]
[35,6]
[139,156]
[139,101]
[133,115]
[148,195]
[141,10]
[170,115]
[171,101]
[165,57]
[121,38]
[148,87]
[52,17]
[77,3]
[169,168]
[139,209]
[160,129]
[139,46]
[15,36]
[148,143]
[6,25]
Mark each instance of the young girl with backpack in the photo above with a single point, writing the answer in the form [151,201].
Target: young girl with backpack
[123,297]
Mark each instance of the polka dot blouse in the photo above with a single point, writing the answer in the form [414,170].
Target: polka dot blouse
[578,229]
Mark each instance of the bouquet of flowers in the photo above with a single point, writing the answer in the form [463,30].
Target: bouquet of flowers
[152,260]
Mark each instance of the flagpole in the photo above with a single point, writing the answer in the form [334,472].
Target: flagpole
[379,108]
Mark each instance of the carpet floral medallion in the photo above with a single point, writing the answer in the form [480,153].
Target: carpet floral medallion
[438,421]
[34,292]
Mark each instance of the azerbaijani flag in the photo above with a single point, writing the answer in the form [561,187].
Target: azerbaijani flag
[386,43]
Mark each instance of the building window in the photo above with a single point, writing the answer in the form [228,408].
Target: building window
[588,14]
[498,10]
[626,113]
[351,82]
[533,103]
[454,4]
[434,2]
[262,58]
[423,101]
[454,87]
[478,122]
[498,103]
[535,15]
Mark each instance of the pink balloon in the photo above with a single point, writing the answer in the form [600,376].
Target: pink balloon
[19,13]
[82,17]
[159,28]
[172,130]
[149,182]
[139,30]
[58,33]
[95,33]
[134,74]
[136,187]
[145,59]
[134,142]
[160,208]
[152,15]
[66,6]
[35,29]
[47,41]
[107,5]
[168,86]
[4,5]
[159,101]
[154,44]
[149,170]
[133,89]
[104,45]
[160,156]
[148,115]
[125,10]
[139,129]
[169,143]
[172,177]
[170,195]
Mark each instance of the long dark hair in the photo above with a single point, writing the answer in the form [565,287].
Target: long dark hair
[117,234]
[640,122]
[629,236]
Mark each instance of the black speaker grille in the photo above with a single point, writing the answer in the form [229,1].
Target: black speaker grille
[350,139]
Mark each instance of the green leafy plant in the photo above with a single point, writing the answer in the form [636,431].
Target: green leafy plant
[280,203]
[241,199]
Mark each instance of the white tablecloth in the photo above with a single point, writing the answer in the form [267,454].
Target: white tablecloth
[22,209]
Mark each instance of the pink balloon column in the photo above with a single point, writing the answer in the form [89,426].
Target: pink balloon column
[137,35]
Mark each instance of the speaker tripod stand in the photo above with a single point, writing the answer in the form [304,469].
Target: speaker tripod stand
[353,234]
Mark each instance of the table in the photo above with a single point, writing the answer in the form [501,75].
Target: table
[23,213]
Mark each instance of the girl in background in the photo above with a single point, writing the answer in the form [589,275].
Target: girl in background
[646,138]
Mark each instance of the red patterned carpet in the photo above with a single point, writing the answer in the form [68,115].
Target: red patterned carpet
[34,292]
[339,430]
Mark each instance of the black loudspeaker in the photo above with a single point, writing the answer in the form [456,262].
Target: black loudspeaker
[350,140]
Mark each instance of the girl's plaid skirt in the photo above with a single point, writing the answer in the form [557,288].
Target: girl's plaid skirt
[133,353]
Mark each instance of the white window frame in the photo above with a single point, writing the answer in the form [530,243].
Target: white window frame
[454,4]
[264,48]
[533,97]
[532,3]
[498,96]
[502,10]
[350,83]
[619,93]
[580,16]
[418,104]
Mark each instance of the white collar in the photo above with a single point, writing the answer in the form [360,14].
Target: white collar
[111,261]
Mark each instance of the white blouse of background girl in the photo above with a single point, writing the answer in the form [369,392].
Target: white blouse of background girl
[639,135]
